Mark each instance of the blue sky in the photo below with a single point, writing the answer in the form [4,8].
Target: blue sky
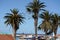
[52,6]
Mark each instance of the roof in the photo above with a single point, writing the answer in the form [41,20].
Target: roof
[6,37]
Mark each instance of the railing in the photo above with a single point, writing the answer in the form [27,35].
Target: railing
[30,39]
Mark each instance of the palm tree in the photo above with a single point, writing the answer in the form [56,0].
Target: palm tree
[46,24]
[34,7]
[14,19]
[55,22]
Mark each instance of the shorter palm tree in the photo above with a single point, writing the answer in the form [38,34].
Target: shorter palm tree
[55,22]
[50,23]
[14,19]
[46,24]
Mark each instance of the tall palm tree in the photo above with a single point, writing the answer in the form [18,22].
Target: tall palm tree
[46,24]
[34,7]
[55,22]
[14,19]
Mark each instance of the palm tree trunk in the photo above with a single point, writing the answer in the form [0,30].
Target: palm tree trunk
[55,30]
[14,32]
[46,34]
[35,23]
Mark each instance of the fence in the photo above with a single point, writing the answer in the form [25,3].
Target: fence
[30,39]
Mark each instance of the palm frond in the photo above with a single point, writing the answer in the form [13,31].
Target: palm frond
[14,10]
[35,6]
[45,15]
[28,10]
[14,18]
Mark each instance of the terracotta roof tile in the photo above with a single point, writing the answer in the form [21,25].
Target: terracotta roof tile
[6,37]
